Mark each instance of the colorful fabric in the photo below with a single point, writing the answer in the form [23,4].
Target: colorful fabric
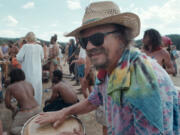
[134,76]
[139,97]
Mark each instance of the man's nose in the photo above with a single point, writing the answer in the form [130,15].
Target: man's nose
[89,46]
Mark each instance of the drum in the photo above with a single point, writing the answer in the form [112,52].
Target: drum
[71,123]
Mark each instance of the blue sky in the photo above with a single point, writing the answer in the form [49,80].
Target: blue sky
[47,17]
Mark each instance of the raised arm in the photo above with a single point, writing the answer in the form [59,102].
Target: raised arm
[67,93]
[8,97]
[53,96]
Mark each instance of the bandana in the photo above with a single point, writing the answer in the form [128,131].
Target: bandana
[135,80]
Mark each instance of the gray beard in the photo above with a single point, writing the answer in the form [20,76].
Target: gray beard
[101,66]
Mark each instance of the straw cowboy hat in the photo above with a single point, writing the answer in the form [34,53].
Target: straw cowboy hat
[106,12]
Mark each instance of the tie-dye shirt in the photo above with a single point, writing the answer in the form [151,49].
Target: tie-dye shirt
[139,97]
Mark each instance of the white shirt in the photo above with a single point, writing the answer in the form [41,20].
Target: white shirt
[30,56]
[82,53]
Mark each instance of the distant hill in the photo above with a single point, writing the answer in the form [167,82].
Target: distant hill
[7,40]
[174,37]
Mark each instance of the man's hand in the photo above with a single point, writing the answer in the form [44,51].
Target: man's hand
[47,102]
[56,118]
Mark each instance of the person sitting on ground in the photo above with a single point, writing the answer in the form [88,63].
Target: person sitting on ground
[152,47]
[63,94]
[23,92]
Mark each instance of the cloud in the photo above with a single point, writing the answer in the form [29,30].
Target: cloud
[53,25]
[161,17]
[35,27]
[90,1]
[24,29]
[78,23]
[47,35]
[10,21]
[74,4]
[28,5]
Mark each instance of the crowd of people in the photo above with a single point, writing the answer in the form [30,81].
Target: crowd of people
[129,88]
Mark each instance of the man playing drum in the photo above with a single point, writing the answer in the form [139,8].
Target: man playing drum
[23,92]
[138,95]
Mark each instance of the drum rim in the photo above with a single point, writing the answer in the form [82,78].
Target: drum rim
[25,124]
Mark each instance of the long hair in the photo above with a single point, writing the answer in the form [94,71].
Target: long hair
[125,33]
[154,38]
[30,37]
[16,75]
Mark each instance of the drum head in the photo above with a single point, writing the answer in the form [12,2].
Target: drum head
[32,128]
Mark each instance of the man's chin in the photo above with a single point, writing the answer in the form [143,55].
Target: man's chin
[100,66]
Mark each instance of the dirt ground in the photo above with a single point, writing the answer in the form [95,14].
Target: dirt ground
[91,126]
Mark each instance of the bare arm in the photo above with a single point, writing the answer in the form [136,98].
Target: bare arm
[53,96]
[8,97]
[82,107]
[78,61]
[169,66]
[87,66]
[58,117]
[67,93]
[1,54]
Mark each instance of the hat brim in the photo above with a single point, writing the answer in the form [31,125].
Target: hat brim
[129,20]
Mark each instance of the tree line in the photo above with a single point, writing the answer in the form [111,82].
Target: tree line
[174,37]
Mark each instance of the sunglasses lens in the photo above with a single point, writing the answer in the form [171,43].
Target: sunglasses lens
[97,39]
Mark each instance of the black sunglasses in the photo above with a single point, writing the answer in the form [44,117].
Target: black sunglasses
[96,39]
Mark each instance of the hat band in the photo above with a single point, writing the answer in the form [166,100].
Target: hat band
[91,20]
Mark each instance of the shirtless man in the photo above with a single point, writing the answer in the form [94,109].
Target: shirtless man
[62,96]
[23,92]
[54,55]
[152,47]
